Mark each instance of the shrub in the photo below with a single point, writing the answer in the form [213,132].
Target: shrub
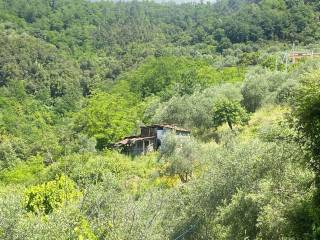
[46,197]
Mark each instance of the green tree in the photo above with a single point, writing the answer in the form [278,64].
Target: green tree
[306,110]
[254,90]
[108,118]
[180,156]
[306,119]
[230,112]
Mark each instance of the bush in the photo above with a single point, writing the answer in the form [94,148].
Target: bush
[46,197]
[259,87]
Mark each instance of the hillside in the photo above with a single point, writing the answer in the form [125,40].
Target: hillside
[76,77]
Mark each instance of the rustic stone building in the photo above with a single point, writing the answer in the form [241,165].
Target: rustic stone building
[149,140]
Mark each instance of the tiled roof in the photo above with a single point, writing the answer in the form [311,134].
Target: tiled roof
[132,139]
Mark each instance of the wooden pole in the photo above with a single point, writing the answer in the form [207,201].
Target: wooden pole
[143,146]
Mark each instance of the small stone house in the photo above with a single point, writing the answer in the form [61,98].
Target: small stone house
[149,140]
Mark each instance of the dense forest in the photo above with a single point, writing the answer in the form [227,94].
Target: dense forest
[77,76]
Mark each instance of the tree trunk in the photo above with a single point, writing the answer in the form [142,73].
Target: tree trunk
[229,124]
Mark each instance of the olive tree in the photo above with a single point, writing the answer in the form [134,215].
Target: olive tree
[180,155]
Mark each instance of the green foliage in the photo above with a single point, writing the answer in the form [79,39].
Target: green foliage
[306,111]
[180,156]
[49,196]
[168,76]
[23,172]
[248,183]
[77,76]
[231,112]
[270,180]
[22,123]
[301,216]
[261,85]
[83,231]
[7,152]
[108,118]
[238,219]
[194,110]
[45,72]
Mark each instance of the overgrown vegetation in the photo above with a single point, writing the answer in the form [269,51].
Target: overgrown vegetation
[77,76]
